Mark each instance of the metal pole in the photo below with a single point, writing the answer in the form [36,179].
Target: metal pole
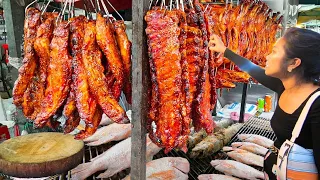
[139,90]
[243,102]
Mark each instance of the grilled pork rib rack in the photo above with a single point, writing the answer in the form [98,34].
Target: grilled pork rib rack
[185,73]
[65,73]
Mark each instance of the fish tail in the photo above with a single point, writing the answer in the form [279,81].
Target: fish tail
[83,171]
[107,173]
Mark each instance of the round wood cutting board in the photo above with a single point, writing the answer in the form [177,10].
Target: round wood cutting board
[40,155]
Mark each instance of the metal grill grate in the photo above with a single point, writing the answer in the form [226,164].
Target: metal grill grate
[254,125]
[93,151]
[198,166]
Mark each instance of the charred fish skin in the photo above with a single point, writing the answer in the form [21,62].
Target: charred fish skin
[30,59]
[213,143]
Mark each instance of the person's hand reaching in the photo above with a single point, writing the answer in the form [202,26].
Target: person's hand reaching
[216,44]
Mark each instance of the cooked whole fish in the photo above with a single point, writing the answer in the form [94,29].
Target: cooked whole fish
[244,156]
[223,123]
[114,160]
[216,177]
[106,134]
[215,142]
[237,169]
[197,137]
[173,168]
[260,140]
[252,147]
[106,120]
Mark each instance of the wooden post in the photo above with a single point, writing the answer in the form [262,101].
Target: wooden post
[139,90]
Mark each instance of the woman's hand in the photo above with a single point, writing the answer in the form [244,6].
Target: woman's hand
[216,44]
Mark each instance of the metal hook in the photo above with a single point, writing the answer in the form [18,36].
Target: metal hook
[182,5]
[115,10]
[88,13]
[45,8]
[105,8]
[60,16]
[191,4]
[151,1]
[98,8]
[161,4]
[206,8]
[69,8]
[93,6]
[25,11]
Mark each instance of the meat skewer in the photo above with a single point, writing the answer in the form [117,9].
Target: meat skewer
[108,44]
[168,75]
[91,57]
[59,74]
[85,102]
[125,50]
[30,59]
[42,48]
[202,116]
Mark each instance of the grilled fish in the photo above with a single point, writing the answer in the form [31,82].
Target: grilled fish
[197,137]
[115,159]
[216,177]
[106,120]
[237,169]
[175,168]
[252,147]
[215,142]
[244,156]
[106,134]
[260,140]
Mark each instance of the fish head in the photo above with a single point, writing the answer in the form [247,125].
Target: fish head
[180,163]
[215,163]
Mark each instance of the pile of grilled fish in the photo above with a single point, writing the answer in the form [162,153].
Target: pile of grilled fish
[244,154]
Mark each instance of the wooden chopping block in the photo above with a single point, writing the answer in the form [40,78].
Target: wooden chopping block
[40,155]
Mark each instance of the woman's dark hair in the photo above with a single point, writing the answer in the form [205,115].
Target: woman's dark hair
[305,45]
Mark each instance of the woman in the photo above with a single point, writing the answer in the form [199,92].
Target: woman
[293,71]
